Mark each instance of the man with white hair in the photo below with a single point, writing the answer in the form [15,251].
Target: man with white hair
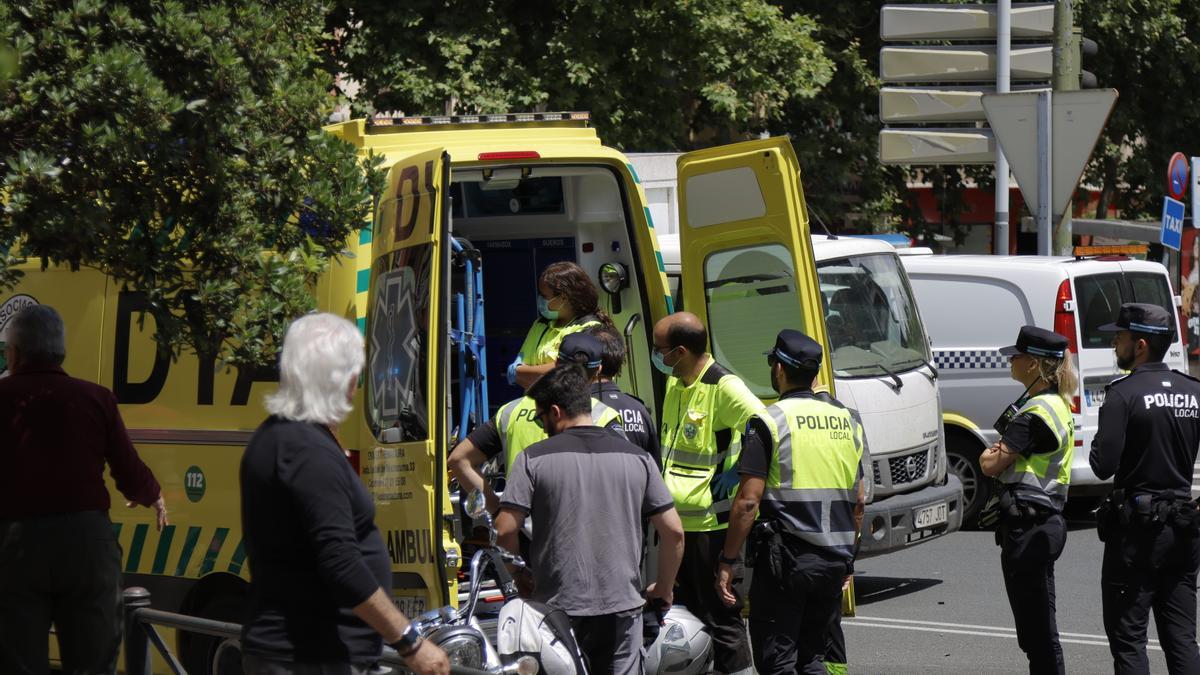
[60,562]
[320,575]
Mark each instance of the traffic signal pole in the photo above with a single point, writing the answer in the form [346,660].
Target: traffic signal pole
[1003,65]
[1065,78]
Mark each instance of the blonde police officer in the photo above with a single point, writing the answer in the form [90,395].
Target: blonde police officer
[1032,461]
[704,411]
[801,468]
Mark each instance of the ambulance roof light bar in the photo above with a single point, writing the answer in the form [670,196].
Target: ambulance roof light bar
[395,119]
[1081,252]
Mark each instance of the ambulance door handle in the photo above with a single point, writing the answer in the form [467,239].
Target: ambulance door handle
[630,366]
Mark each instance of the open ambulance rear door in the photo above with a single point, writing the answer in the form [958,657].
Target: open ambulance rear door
[402,434]
[745,250]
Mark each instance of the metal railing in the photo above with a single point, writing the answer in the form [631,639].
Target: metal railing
[140,634]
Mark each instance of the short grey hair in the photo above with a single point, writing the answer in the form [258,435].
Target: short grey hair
[38,333]
[322,354]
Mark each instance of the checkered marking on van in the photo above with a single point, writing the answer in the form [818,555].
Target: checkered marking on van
[968,359]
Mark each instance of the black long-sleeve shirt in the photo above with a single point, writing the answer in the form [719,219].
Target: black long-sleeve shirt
[312,546]
[1149,431]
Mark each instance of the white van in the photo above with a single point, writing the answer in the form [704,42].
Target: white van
[974,304]
[883,369]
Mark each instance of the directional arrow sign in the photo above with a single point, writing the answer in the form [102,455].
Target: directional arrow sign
[1078,118]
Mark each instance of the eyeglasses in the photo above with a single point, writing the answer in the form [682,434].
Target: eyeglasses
[537,419]
[771,360]
[664,350]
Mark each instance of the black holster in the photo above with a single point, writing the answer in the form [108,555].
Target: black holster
[765,548]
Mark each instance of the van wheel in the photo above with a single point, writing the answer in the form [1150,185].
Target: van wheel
[210,655]
[962,457]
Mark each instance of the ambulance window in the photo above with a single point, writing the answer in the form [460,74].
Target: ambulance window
[397,344]
[1099,301]
[750,294]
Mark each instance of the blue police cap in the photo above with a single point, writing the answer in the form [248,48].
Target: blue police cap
[1141,317]
[1037,342]
[795,349]
[581,348]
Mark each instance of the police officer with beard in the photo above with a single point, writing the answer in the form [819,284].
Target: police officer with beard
[1148,436]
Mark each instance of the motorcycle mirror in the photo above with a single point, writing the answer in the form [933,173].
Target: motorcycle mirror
[476,504]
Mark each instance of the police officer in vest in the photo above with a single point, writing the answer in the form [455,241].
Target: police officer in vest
[515,426]
[639,424]
[1148,435]
[1032,462]
[704,411]
[801,469]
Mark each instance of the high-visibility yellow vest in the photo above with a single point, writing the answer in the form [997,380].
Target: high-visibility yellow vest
[812,483]
[543,339]
[1043,478]
[514,422]
[701,435]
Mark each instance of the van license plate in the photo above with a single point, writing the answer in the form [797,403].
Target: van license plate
[412,605]
[930,516]
[1093,397]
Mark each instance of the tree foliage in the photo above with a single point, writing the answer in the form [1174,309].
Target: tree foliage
[656,74]
[1150,52]
[176,145]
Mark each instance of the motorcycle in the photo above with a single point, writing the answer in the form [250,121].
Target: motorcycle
[676,641]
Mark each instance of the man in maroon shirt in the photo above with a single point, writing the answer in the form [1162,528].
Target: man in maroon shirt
[59,559]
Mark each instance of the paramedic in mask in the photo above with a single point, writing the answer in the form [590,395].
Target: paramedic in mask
[704,411]
[588,491]
[638,423]
[567,303]
[801,473]
[515,426]
[1147,438]
[1032,462]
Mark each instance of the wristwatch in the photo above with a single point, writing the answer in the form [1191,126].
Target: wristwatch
[726,561]
[409,642]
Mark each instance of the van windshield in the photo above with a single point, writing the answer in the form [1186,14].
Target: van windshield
[870,316]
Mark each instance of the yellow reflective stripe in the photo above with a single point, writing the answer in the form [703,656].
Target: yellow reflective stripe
[823,495]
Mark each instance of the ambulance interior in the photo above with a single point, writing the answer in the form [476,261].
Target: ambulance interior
[519,220]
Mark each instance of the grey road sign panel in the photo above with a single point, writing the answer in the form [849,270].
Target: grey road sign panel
[898,23]
[935,105]
[1078,118]
[937,146]
[963,63]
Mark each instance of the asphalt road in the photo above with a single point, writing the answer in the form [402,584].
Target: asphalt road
[940,607]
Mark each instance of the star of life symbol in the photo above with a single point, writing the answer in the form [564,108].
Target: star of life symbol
[394,348]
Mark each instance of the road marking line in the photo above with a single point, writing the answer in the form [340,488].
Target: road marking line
[1010,636]
[995,631]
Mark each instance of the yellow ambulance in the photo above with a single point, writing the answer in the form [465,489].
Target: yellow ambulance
[443,285]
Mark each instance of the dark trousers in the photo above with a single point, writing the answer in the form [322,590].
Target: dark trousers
[791,617]
[611,642]
[1028,550]
[1151,568]
[697,591]
[63,570]
[835,646]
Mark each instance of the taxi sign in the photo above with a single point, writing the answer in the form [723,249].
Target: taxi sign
[1172,223]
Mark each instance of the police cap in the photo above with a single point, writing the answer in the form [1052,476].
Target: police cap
[795,349]
[1141,317]
[1037,342]
[584,344]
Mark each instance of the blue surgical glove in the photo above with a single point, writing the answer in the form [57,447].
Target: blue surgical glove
[723,484]
[512,371]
